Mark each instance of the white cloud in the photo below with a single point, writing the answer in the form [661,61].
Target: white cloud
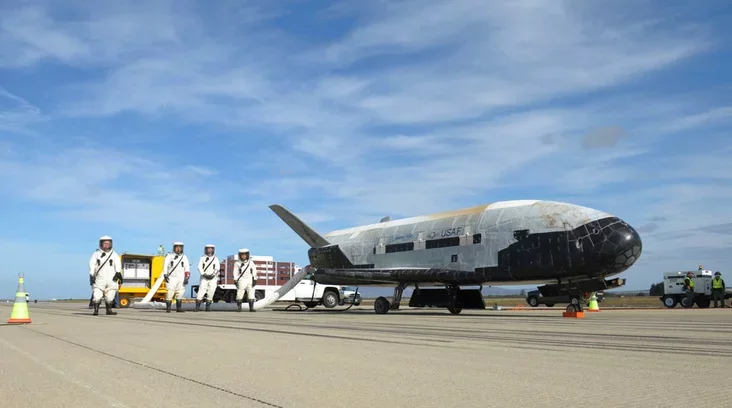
[16,112]
[420,106]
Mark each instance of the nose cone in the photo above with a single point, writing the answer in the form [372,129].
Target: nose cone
[609,246]
[625,244]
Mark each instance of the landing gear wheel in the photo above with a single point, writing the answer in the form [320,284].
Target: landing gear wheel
[454,310]
[670,302]
[381,305]
[124,302]
[533,301]
[573,309]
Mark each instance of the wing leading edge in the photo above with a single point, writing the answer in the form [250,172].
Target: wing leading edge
[309,235]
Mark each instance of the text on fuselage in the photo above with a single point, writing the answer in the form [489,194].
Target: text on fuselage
[451,232]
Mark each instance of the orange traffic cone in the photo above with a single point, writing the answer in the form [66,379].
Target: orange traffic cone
[19,315]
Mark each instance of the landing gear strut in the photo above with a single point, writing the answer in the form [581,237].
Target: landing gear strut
[382,304]
[452,291]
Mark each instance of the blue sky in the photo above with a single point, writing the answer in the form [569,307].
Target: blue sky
[161,121]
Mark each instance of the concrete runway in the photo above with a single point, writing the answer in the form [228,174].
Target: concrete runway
[408,358]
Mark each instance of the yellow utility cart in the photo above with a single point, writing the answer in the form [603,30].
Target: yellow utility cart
[139,273]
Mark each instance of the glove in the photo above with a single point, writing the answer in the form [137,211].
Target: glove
[91,280]
[254,282]
[185,281]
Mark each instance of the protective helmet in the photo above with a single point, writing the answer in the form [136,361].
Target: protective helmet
[243,251]
[178,243]
[105,238]
[690,273]
[717,273]
[213,249]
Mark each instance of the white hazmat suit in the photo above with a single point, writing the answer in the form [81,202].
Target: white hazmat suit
[104,266]
[208,267]
[176,271]
[245,277]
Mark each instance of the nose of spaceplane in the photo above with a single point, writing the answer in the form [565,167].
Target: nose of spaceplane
[624,244]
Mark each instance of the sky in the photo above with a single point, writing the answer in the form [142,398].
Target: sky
[163,121]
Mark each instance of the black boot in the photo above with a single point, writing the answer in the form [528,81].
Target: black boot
[167,306]
[251,306]
[198,305]
[179,306]
[109,309]
[238,305]
[208,306]
[96,309]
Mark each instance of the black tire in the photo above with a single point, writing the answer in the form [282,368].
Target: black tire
[573,308]
[258,295]
[124,302]
[330,299]
[703,302]
[549,305]
[685,303]
[381,305]
[533,301]
[454,310]
[670,302]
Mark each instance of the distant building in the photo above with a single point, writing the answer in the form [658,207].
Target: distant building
[270,272]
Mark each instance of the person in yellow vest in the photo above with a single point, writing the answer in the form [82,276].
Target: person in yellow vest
[718,289]
[689,288]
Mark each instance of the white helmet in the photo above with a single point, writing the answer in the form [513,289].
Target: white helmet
[178,243]
[243,251]
[212,246]
[105,238]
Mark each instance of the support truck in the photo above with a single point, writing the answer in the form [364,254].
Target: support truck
[674,293]
[308,292]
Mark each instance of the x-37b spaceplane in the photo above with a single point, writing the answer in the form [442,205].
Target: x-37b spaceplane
[570,248]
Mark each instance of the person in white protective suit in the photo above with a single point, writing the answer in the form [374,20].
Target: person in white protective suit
[208,267]
[245,278]
[176,272]
[105,268]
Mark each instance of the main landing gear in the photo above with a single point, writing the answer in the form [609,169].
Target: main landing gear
[382,304]
[450,297]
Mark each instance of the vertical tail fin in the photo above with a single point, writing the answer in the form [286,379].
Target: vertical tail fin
[307,234]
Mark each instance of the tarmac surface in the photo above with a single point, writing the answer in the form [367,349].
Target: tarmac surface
[406,358]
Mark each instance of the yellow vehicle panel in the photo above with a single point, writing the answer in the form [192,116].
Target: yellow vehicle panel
[128,293]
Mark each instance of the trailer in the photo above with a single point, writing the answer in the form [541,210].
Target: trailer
[674,293]
[139,273]
[308,292]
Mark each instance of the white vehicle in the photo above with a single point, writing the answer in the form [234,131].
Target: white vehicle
[308,292]
[674,293]
[350,296]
